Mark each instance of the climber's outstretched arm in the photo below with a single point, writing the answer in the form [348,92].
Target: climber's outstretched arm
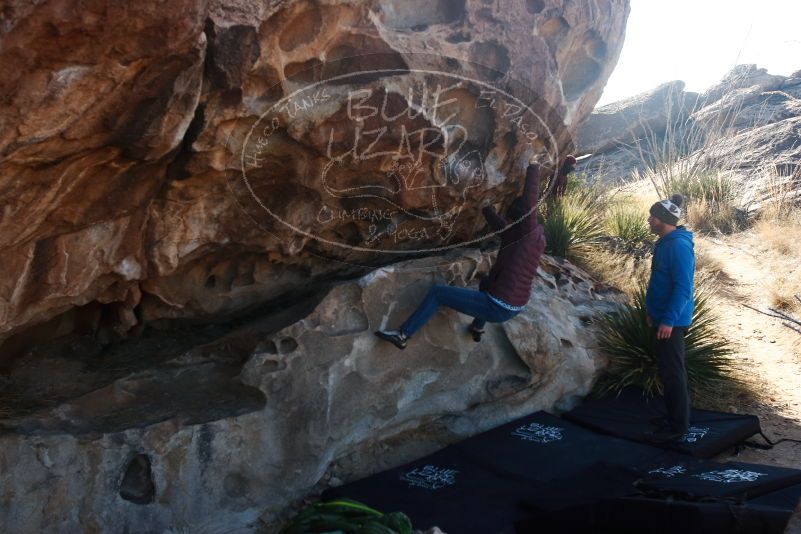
[495,221]
[531,189]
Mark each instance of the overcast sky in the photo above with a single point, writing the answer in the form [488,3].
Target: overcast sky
[698,41]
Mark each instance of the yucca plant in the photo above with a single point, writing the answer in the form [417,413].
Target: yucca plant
[572,222]
[629,343]
[629,224]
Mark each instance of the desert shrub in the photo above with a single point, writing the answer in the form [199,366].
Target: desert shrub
[629,224]
[710,202]
[573,223]
[629,343]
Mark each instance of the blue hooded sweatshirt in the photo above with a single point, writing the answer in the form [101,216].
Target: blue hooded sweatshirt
[669,299]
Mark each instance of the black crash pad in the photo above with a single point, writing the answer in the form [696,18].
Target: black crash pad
[787,498]
[544,472]
[445,489]
[637,514]
[605,479]
[730,480]
[629,414]
[604,499]
[542,447]
[534,465]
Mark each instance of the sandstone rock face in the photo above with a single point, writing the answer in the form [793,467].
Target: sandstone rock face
[243,422]
[125,131]
[622,122]
[747,126]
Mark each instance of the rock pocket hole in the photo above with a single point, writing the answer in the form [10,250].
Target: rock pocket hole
[535,6]
[553,31]
[410,14]
[137,483]
[271,366]
[459,37]
[287,345]
[268,347]
[491,55]
[583,66]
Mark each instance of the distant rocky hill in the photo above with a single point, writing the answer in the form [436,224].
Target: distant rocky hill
[747,125]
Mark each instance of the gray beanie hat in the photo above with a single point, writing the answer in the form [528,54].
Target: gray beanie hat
[668,211]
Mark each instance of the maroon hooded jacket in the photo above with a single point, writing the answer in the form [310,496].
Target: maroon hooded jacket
[522,244]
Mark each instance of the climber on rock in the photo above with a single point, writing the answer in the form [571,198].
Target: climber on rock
[506,289]
[568,166]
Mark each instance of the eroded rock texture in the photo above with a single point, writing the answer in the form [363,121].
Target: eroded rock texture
[123,130]
[239,426]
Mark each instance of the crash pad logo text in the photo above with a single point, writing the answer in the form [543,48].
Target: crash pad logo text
[430,477]
[730,476]
[538,433]
[695,434]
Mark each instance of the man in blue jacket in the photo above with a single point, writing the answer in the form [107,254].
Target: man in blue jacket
[669,304]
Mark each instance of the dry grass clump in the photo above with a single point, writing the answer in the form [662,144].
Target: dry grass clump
[780,235]
[707,217]
[780,241]
[711,201]
[786,290]
[617,269]
[781,196]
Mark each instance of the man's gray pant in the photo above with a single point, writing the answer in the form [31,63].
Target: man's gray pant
[673,374]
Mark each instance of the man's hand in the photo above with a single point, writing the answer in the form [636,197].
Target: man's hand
[664,331]
[484,203]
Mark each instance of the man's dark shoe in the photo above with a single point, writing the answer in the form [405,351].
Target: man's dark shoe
[663,435]
[393,336]
[476,332]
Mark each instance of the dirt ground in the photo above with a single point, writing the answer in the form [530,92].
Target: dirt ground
[768,350]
